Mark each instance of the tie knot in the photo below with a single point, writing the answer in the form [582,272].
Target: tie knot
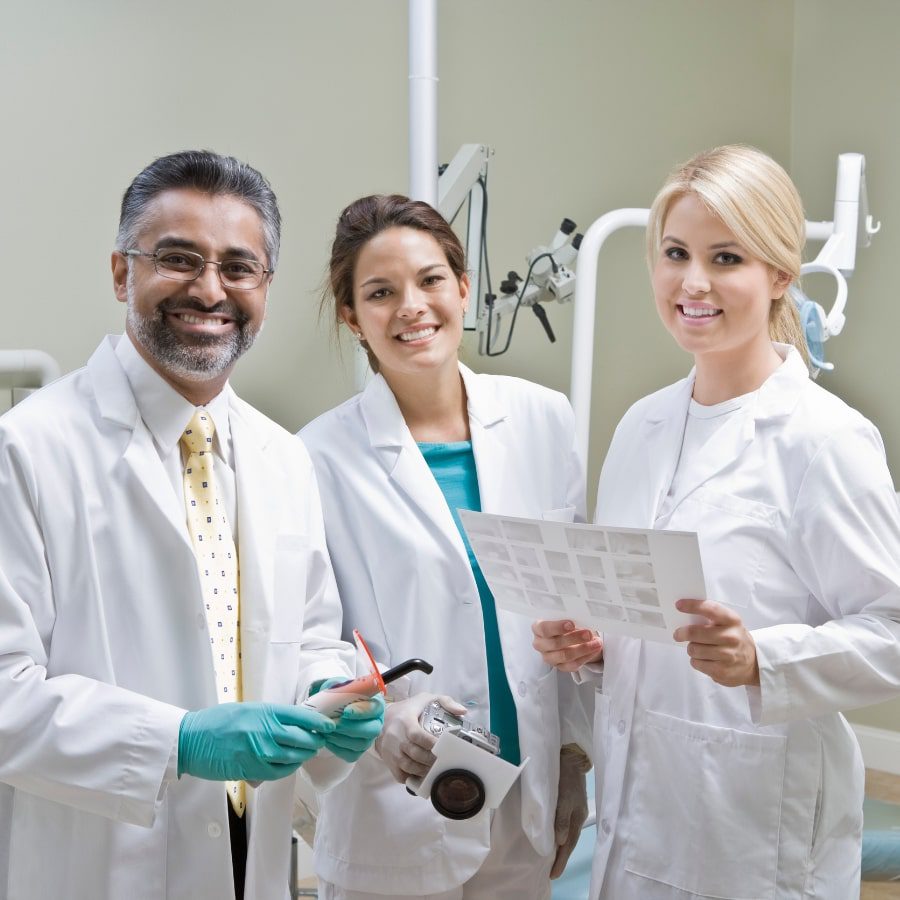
[198,435]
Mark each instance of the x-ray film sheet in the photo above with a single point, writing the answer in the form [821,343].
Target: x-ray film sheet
[618,580]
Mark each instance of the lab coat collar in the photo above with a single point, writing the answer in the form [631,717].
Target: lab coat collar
[394,445]
[140,457]
[778,395]
[387,427]
[666,417]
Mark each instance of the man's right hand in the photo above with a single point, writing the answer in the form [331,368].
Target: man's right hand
[249,741]
[564,645]
[404,745]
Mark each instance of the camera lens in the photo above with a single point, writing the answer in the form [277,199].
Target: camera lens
[457,794]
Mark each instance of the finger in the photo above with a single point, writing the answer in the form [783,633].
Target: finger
[715,612]
[418,755]
[364,729]
[452,706]
[702,634]
[707,652]
[345,742]
[302,716]
[561,642]
[719,673]
[295,736]
[563,852]
[279,754]
[573,658]
[411,767]
[419,737]
[365,709]
[348,756]
[551,628]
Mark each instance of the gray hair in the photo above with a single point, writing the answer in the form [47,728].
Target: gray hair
[211,173]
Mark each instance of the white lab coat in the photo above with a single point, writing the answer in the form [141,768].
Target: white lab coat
[104,645]
[709,791]
[406,583]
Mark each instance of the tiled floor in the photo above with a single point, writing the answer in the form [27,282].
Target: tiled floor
[881,786]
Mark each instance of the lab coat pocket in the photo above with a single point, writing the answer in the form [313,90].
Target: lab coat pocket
[289,588]
[707,808]
[733,533]
[563,514]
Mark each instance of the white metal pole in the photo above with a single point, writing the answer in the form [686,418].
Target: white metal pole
[423,85]
[583,313]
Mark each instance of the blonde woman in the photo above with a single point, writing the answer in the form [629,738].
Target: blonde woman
[725,768]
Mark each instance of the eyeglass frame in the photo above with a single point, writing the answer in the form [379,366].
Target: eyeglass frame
[131,254]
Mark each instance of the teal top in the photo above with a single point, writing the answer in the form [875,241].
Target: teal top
[453,466]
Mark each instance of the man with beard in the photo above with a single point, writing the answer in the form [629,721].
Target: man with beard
[166,596]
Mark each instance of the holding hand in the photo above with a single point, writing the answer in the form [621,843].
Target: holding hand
[565,646]
[357,728]
[722,647]
[249,741]
[404,745]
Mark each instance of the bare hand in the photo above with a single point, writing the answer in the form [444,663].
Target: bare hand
[566,646]
[721,648]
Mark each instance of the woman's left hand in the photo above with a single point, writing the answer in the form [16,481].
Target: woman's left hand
[721,648]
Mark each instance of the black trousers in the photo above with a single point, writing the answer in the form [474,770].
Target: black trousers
[237,827]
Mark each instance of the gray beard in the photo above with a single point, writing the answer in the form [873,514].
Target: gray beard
[204,357]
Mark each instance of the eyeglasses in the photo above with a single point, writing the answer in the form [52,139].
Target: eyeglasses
[184,265]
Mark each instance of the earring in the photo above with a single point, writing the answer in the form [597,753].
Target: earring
[359,336]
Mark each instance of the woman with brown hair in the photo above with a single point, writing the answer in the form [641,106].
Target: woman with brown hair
[394,464]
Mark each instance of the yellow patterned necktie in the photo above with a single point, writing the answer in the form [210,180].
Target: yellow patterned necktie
[218,566]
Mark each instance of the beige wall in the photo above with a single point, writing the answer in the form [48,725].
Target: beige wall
[846,72]
[587,104]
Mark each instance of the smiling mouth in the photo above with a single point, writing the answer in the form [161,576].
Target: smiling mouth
[191,319]
[419,335]
[698,312]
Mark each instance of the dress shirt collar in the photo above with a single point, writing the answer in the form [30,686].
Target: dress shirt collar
[164,411]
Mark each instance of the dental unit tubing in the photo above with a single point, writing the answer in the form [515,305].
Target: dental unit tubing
[27,368]
[585,308]
[423,87]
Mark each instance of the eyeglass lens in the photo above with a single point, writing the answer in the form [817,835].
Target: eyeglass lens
[184,265]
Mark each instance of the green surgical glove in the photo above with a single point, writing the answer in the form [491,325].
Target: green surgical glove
[249,741]
[360,723]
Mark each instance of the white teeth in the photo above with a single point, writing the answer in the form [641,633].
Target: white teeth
[697,312]
[188,319]
[416,335]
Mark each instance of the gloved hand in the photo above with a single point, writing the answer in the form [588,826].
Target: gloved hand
[404,745]
[249,741]
[571,805]
[358,726]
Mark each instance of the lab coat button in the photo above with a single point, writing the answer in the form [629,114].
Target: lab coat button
[621,726]
[214,830]
[604,826]
[523,689]
[470,703]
